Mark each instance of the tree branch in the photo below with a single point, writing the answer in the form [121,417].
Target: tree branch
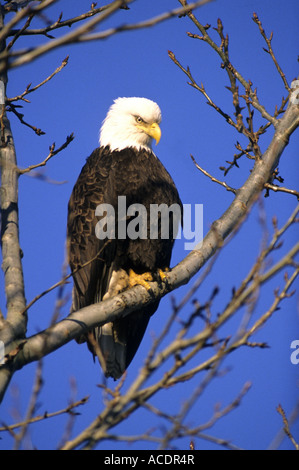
[31,54]
[31,90]
[14,327]
[60,24]
[82,33]
[52,153]
[270,51]
[215,180]
[222,51]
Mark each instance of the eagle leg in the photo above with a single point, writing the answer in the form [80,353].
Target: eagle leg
[163,274]
[140,279]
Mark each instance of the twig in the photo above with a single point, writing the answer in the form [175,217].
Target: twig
[270,50]
[215,180]
[28,55]
[201,88]
[82,33]
[51,154]
[281,434]
[22,13]
[31,407]
[60,24]
[222,52]
[46,415]
[282,189]
[40,175]
[71,413]
[287,427]
[63,280]
[20,31]
[227,409]
[122,406]
[145,24]
[20,116]
[278,298]
[31,90]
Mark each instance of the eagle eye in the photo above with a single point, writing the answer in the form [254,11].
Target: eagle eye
[139,120]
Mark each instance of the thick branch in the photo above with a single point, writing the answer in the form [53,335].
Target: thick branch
[82,33]
[69,38]
[14,327]
[11,253]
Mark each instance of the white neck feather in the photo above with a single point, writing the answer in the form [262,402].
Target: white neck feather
[118,139]
[119,130]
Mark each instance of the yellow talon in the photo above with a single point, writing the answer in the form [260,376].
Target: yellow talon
[163,274]
[140,279]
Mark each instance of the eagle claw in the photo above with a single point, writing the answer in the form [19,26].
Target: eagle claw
[140,279]
[163,275]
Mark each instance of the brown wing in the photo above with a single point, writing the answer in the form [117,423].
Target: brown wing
[141,177]
[89,257]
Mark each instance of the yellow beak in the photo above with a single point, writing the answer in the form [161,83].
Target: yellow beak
[153,130]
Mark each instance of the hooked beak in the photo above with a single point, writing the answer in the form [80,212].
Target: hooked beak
[153,130]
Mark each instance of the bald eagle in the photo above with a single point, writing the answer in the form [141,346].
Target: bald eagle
[124,165]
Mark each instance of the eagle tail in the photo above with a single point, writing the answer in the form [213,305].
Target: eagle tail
[115,344]
[112,351]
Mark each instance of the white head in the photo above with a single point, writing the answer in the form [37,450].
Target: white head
[131,122]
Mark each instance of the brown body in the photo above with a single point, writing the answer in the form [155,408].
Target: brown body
[142,178]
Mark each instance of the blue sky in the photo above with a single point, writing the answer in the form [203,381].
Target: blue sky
[76,100]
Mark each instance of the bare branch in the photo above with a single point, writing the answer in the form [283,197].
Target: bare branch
[198,431]
[12,265]
[82,33]
[270,51]
[31,407]
[20,116]
[281,434]
[287,427]
[201,88]
[282,189]
[222,52]
[145,24]
[60,24]
[51,154]
[20,32]
[23,13]
[46,415]
[215,180]
[63,281]
[29,55]
[31,90]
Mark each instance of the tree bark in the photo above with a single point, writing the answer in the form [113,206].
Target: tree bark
[13,328]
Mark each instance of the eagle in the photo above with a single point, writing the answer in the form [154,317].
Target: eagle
[104,263]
